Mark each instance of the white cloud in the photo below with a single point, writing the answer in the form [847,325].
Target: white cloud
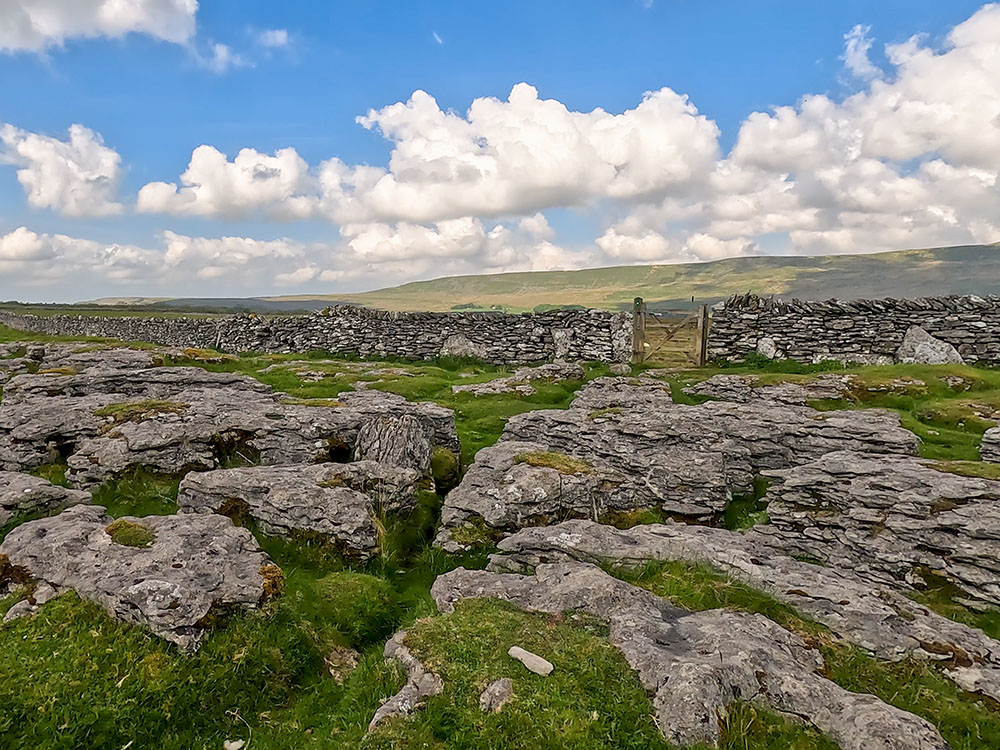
[437,37]
[221,59]
[35,25]
[273,38]
[855,57]
[502,158]
[78,177]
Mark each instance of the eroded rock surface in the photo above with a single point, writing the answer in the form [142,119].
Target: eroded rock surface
[989,448]
[888,517]
[396,441]
[744,388]
[192,565]
[420,685]
[334,500]
[173,419]
[871,616]
[697,663]
[520,381]
[625,445]
[23,493]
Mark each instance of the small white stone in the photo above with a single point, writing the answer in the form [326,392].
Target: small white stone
[532,662]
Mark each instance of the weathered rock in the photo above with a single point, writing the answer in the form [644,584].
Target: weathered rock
[889,517]
[989,448]
[767,347]
[870,616]
[745,388]
[532,662]
[622,369]
[23,493]
[520,381]
[420,685]
[496,695]
[192,565]
[623,445]
[919,347]
[172,419]
[696,664]
[341,661]
[333,500]
[402,441]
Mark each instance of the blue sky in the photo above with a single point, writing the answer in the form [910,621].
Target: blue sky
[300,73]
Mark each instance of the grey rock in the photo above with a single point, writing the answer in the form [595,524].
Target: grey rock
[23,493]
[696,664]
[888,517]
[622,369]
[521,379]
[746,388]
[869,615]
[208,419]
[402,441]
[532,662]
[919,347]
[459,345]
[766,347]
[634,448]
[496,695]
[334,500]
[989,448]
[194,564]
[341,661]
[420,685]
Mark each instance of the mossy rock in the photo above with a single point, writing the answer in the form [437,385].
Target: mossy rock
[552,460]
[446,468]
[139,411]
[130,533]
[363,608]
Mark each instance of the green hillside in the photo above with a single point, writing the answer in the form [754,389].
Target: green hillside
[972,269]
[967,269]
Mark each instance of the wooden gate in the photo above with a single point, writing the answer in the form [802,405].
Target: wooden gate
[671,337]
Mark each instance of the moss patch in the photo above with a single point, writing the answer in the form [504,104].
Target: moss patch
[980,469]
[552,460]
[139,411]
[130,533]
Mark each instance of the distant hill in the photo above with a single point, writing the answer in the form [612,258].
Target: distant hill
[967,269]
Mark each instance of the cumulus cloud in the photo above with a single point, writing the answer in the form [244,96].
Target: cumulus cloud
[855,57]
[35,25]
[78,177]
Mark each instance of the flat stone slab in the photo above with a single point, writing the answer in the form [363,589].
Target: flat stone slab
[23,493]
[887,518]
[871,616]
[696,663]
[333,500]
[745,388]
[989,448]
[624,445]
[193,564]
[175,419]
[521,379]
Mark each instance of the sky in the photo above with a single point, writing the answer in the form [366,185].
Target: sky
[242,147]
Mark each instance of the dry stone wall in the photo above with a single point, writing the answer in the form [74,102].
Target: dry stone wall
[492,337]
[864,331]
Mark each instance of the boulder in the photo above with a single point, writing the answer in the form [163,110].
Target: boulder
[336,501]
[871,616]
[890,520]
[696,663]
[919,347]
[23,493]
[168,574]
[767,347]
[402,441]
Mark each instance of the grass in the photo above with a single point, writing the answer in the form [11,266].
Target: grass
[139,411]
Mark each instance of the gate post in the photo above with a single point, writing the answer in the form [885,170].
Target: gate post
[701,337]
[638,331]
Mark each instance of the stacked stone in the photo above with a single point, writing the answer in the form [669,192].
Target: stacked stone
[863,331]
[497,338]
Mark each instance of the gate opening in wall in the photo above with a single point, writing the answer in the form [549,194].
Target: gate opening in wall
[677,338]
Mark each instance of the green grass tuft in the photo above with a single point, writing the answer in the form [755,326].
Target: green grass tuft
[552,460]
[130,533]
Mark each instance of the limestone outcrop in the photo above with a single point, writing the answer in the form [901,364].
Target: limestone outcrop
[23,493]
[624,445]
[167,573]
[874,617]
[745,388]
[696,663]
[890,518]
[336,501]
[521,379]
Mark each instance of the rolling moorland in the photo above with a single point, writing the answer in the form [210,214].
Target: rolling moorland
[970,269]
